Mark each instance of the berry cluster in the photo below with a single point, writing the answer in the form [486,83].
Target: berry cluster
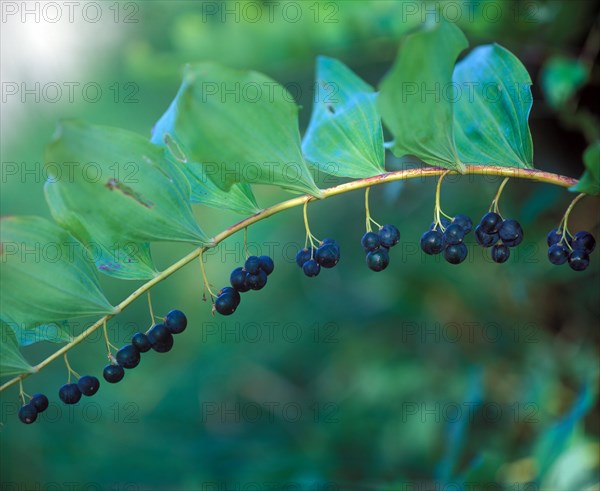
[377,246]
[28,412]
[253,276]
[311,260]
[447,236]
[576,249]
[86,385]
[159,338]
[498,234]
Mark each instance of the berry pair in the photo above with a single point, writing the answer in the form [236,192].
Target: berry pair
[159,338]
[377,246]
[28,412]
[447,236]
[498,234]
[311,260]
[253,276]
[86,385]
[576,249]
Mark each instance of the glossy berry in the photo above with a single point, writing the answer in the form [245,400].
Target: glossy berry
[328,240]
[238,280]
[584,241]
[69,394]
[160,338]
[490,222]
[28,413]
[454,234]
[378,259]
[88,385]
[141,342]
[226,303]
[113,373]
[484,239]
[389,235]
[311,268]
[266,264]
[558,254]
[500,253]
[252,265]
[328,255]
[464,222]
[511,233]
[579,260]
[128,356]
[40,402]
[176,321]
[303,256]
[233,291]
[455,253]
[370,241]
[444,221]
[432,242]
[256,281]
[555,235]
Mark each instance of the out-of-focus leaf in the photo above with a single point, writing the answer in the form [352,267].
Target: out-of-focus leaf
[492,110]
[561,77]
[345,126]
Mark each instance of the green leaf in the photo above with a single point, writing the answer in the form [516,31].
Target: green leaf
[589,182]
[11,360]
[54,332]
[107,183]
[492,109]
[128,260]
[345,126]
[46,274]
[236,126]
[561,77]
[415,96]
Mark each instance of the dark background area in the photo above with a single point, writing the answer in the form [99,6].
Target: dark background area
[424,373]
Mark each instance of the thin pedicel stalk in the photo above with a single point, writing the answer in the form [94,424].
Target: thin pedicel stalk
[528,174]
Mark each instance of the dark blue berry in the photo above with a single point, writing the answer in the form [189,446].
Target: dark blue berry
[378,259]
[69,394]
[256,281]
[303,256]
[160,338]
[128,356]
[455,253]
[113,373]
[464,222]
[328,241]
[555,235]
[328,255]
[432,242]
[579,260]
[484,239]
[389,235]
[558,254]
[500,253]
[443,220]
[585,241]
[370,241]
[266,264]
[511,233]
[40,402]
[226,303]
[176,321]
[28,413]
[141,342]
[232,291]
[311,268]
[252,265]
[454,234]
[490,222]
[238,280]
[88,385]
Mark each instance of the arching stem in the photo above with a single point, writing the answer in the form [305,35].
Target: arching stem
[368,218]
[494,205]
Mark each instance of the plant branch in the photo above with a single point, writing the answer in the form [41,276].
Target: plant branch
[529,174]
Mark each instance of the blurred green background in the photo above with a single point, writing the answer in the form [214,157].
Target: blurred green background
[424,375]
